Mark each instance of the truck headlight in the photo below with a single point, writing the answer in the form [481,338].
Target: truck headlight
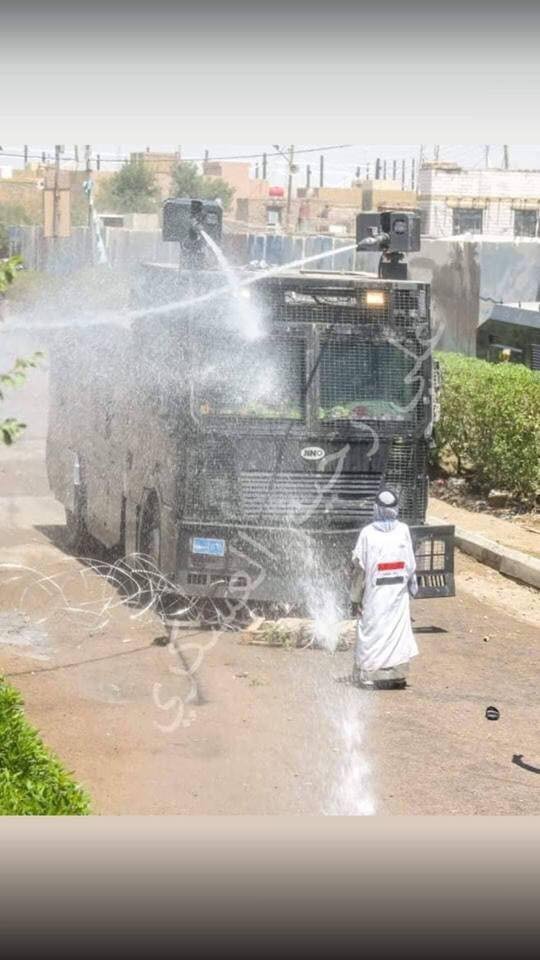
[375,298]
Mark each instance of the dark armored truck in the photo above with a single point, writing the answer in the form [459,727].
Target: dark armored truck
[237,432]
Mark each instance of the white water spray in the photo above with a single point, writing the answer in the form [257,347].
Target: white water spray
[351,794]
[250,320]
[245,282]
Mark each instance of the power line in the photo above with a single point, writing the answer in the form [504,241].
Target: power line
[239,156]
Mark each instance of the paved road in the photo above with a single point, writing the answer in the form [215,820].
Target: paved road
[273,732]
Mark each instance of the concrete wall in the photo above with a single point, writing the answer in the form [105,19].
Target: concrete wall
[509,272]
[61,255]
[452,267]
[461,271]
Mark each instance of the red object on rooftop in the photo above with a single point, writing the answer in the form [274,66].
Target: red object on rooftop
[276,192]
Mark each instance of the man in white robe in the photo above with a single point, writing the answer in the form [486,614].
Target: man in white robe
[386,570]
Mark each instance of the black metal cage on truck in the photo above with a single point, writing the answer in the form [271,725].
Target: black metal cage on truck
[240,437]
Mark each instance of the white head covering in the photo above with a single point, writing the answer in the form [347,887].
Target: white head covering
[386,510]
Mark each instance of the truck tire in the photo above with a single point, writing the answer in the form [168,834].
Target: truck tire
[76,534]
[149,533]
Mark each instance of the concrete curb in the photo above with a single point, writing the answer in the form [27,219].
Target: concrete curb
[512,563]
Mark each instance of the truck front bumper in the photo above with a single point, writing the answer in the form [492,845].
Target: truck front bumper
[285,565]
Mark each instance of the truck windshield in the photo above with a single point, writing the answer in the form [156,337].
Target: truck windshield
[366,380]
[261,379]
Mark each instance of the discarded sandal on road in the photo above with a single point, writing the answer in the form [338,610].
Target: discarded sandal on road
[390,684]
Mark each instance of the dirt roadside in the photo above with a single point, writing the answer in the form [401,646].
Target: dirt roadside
[274,732]
[509,533]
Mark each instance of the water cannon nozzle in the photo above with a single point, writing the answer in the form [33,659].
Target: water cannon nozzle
[185,218]
[394,231]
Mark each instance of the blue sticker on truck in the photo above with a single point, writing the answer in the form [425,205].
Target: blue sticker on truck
[207,546]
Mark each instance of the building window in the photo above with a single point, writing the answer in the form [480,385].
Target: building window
[467,220]
[273,216]
[525,223]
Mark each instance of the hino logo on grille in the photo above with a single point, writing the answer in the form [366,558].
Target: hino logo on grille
[312,453]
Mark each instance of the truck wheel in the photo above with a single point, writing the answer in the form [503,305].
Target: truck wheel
[76,534]
[149,539]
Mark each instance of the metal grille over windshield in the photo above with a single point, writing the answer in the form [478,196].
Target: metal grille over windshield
[308,498]
[342,300]
[366,381]
[260,379]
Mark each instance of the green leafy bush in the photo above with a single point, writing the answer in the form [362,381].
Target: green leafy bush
[188,182]
[490,423]
[11,428]
[32,781]
[132,189]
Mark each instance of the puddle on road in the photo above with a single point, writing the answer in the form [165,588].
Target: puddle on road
[26,639]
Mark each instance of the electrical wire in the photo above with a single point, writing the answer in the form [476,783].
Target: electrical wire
[240,156]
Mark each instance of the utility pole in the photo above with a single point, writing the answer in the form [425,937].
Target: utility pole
[321,170]
[264,166]
[486,156]
[56,194]
[25,156]
[290,185]
[402,174]
[88,188]
[394,169]
[412,173]
[506,158]
[377,169]
[88,181]
[308,176]
[292,168]
[436,152]
[384,170]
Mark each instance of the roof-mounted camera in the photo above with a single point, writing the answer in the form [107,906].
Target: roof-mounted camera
[184,221]
[394,233]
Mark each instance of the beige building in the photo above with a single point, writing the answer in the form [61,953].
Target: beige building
[161,165]
[330,210]
[22,189]
[238,175]
[28,190]
[386,195]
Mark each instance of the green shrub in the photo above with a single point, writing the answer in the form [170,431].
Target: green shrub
[490,423]
[32,781]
